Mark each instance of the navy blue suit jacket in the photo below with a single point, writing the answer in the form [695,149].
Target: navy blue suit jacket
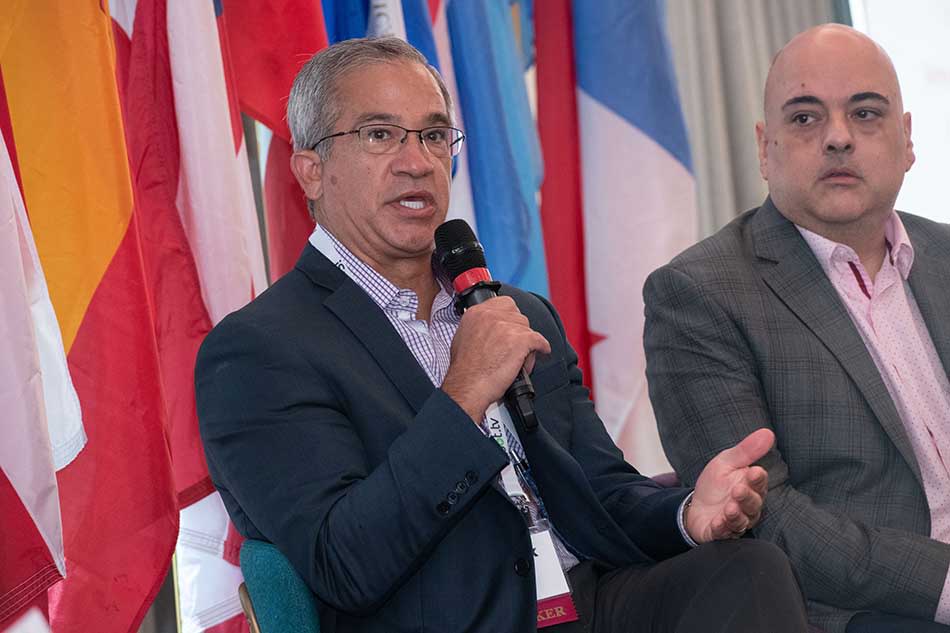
[325,437]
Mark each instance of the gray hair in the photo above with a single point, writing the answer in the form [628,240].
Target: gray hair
[314,105]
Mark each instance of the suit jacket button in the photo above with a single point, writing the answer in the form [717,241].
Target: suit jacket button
[461,487]
[522,567]
[443,508]
[471,477]
[452,498]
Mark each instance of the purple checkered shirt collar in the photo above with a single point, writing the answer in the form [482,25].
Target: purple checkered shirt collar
[429,343]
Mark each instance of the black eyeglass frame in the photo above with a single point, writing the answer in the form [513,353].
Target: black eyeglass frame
[454,148]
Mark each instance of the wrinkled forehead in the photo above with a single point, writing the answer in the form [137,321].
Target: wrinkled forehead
[832,65]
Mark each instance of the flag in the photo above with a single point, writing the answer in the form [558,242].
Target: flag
[461,205]
[505,155]
[561,199]
[285,206]
[345,19]
[385,19]
[33,621]
[638,199]
[409,20]
[181,321]
[117,498]
[40,407]
[264,70]
[201,246]
[215,197]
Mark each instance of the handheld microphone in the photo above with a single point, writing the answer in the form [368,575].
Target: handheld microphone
[459,261]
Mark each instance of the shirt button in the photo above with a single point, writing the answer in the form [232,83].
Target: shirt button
[443,508]
[522,567]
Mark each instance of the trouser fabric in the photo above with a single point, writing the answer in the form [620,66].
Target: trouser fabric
[738,586]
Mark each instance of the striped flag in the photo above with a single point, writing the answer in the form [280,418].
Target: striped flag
[207,208]
[117,500]
[638,199]
[162,147]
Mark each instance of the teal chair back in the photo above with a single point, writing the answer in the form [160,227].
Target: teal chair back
[275,599]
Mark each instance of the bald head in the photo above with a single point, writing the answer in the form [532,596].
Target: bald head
[816,51]
[835,143]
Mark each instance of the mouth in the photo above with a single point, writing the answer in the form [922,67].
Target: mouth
[840,175]
[414,201]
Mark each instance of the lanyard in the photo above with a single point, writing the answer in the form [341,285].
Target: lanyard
[555,604]
[499,427]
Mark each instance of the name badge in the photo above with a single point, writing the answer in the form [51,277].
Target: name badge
[555,604]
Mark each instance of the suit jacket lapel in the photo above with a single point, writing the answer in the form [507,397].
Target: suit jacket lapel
[350,303]
[369,325]
[793,273]
[929,277]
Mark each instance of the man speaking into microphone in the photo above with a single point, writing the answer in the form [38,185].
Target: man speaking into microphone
[351,415]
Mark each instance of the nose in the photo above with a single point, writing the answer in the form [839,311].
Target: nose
[413,158]
[838,136]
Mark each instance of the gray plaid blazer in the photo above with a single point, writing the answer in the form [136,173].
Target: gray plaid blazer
[744,331]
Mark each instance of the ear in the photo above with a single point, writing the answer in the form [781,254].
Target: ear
[308,169]
[909,157]
[763,144]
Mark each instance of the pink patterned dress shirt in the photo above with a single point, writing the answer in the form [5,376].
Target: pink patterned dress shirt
[886,315]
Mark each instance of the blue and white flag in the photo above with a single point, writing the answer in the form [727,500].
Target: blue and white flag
[639,199]
[408,20]
[504,153]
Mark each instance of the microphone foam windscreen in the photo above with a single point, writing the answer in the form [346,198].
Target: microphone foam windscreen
[457,249]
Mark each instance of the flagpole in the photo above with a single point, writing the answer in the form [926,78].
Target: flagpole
[177,596]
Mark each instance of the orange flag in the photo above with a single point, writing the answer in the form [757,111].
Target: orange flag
[119,511]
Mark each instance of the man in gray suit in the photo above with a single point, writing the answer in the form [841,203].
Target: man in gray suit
[825,316]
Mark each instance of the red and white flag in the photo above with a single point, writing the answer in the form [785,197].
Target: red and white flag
[618,198]
[116,500]
[41,411]
[216,211]
[202,250]
[264,70]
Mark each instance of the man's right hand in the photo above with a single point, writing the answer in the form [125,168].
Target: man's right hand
[493,342]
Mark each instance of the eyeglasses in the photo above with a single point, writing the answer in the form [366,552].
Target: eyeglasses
[441,140]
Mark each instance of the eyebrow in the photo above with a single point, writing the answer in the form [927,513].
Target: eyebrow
[869,96]
[855,98]
[434,118]
[368,117]
[811,99]
[439,118]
